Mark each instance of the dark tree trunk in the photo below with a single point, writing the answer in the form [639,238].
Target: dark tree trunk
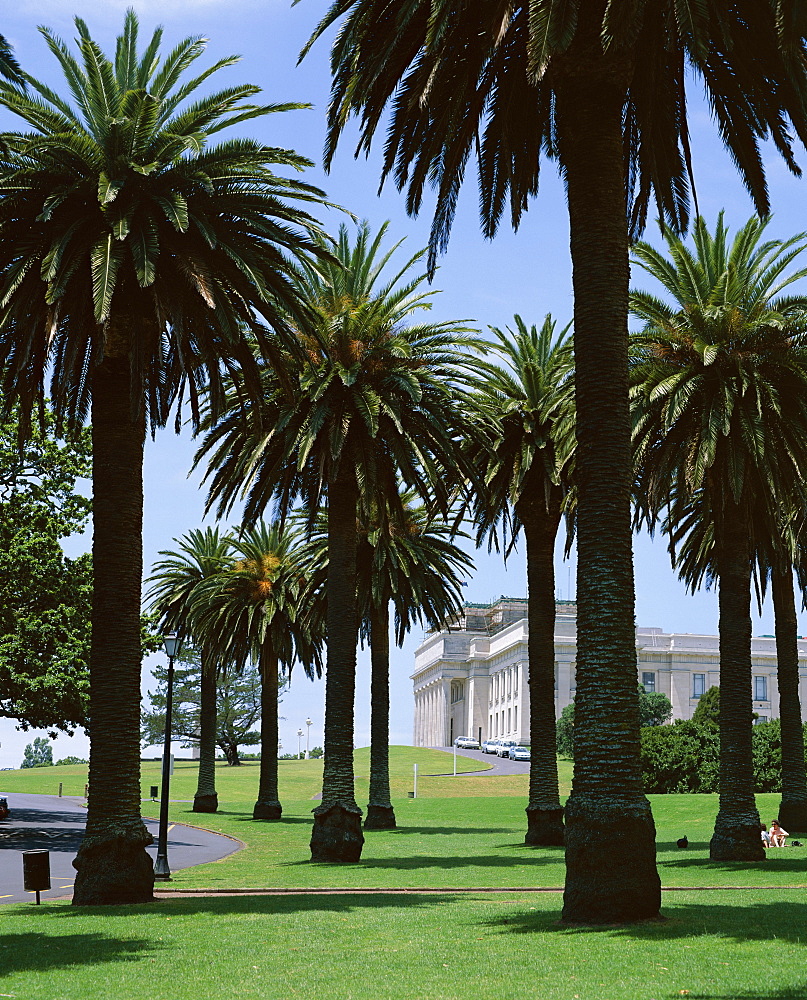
[231,753]
[268,804]
[793,808]
[611,873]
[539,513]
[206,799]
[112,863]
[380,814]
[337,832]
[736,835]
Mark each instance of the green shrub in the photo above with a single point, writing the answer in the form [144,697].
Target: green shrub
[683,757]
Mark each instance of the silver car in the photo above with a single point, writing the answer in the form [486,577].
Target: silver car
[503,749]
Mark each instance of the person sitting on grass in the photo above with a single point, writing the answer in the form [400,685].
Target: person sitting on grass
[766,837]
[777,834]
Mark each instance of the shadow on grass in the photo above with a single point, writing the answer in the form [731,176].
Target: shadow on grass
[432,861]
[784,921]
[313,903]
[446,830]
[33,952]
[246,817]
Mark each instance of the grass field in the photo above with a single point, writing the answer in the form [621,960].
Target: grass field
[463,832]
[716,946]
[745,944]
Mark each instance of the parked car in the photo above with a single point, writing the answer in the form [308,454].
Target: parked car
[519,753]
[466,743]
[490,746]
[503,749]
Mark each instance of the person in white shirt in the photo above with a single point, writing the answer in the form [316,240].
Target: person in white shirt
[777,834]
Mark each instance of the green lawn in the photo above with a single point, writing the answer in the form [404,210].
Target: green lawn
[463,832]
[460,832]
[711,946]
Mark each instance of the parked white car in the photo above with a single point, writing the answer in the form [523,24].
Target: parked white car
[503,749]
[490,746]
[466,743]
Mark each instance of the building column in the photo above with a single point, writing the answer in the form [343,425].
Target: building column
[445,708]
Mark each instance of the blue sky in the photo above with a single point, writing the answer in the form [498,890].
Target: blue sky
[527,273]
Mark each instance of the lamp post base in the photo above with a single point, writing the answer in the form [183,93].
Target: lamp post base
[162,873]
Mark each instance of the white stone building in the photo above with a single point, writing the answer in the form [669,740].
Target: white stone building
[472,679]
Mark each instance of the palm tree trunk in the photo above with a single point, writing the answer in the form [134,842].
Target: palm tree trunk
[206,799]
[736,835]
[793,808]
[337,832]
[540,517]
[112,863]
[611,872]
[380,814]
[268,804]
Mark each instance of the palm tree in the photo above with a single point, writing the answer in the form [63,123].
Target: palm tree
[133,253]
[721,440]
[173,580]
[526,469]
[601,88]
[9,67]
[413,564]
[374,401]
[252,612]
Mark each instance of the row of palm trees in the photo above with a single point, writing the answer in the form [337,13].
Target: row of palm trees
[521,457]
[136,252]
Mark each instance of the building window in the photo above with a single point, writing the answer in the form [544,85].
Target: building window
[649,682]
[509,681]
[515,681]
[515,718]
[496,724]
[760,689]
[457,691]
[573,678]
[760,720]
[699,685]
[509,720]
[556,680]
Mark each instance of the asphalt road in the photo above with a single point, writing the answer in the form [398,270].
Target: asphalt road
[496,765]
[46,822]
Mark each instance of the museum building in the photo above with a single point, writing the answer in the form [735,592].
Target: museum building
[471,679]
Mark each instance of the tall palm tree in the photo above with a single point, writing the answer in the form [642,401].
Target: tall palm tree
[411,563]
[251,612]
[526,467]
[721,440]
[134,251]
[375,400]
[601,88]
[201,554]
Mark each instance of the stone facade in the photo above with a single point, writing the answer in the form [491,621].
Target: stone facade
[472,679]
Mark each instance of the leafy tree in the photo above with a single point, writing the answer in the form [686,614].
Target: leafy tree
[524,452]
[45,596]
[720,405]
[237,703]
[174,580]
[38,754]
[655,708]
[707,711]
[564,731]
[257,610]
[72,760]
[316,753]
[375,403]
[684,757]
[135,253]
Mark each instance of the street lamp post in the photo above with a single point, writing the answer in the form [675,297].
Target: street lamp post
[299,737]
[173,646]
[308,724]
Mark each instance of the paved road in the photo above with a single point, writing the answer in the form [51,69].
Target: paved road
[46,822]
[496,765]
